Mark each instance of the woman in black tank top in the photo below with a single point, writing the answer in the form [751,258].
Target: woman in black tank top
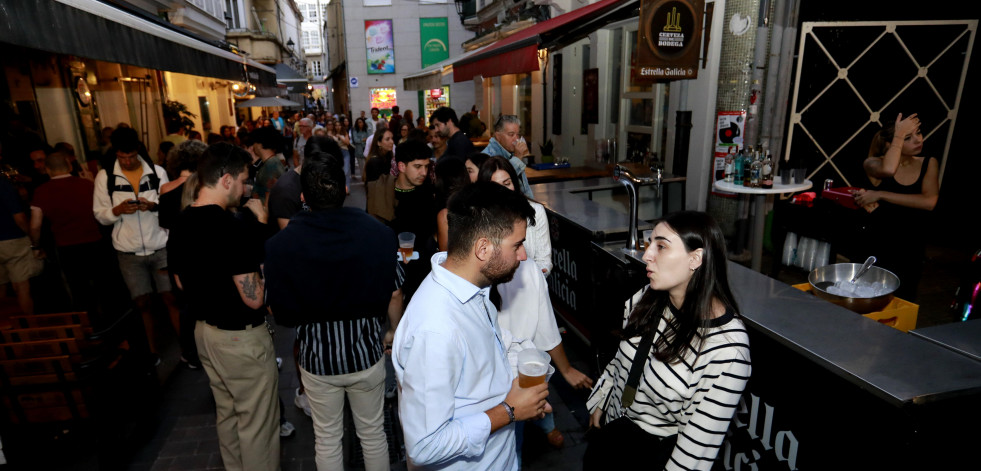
[903,189]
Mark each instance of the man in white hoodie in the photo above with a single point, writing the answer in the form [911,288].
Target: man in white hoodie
[126,197]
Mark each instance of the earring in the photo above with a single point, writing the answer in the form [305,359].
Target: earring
[692,269]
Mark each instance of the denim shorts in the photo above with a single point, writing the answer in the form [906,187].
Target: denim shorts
[143,272]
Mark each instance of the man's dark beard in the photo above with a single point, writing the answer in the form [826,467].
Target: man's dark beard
[496,271]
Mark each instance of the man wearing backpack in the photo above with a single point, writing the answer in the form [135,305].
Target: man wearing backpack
[125,197]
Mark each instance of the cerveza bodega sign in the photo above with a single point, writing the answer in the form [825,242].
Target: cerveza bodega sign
[668,40]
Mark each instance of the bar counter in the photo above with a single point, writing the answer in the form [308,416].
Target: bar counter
[830,388]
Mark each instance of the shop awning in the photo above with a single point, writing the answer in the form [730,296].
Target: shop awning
[432,77]
[97,30]
[518,53]
[286,74]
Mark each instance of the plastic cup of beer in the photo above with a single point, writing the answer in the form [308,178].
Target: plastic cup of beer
[532,367]
[407,241]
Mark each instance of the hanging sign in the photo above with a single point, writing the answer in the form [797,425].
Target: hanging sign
[434,37]
[668,40]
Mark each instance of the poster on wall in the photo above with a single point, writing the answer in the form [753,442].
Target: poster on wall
[434,36]
[668,40]
[379,41]
[590,98]
[382,98]
[729,127]
[557,94]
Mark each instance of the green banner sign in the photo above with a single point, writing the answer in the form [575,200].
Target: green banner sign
[434,35]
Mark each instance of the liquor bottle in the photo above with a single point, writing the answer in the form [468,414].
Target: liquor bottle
[748,167]
[738,169]
[730,167]
[767,180]
[756,170]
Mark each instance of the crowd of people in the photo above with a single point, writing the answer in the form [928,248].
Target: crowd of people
[241,224]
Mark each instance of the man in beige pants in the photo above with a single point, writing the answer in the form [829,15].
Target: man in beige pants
[216,263]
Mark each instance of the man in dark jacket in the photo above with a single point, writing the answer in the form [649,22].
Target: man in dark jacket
[332,273]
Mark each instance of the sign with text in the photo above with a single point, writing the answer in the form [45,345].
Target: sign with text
[434,35]
[379,41]
[668,40]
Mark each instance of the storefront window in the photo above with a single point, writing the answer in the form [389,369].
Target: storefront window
[642,107]
[641,112]
[433,99]
[383,99]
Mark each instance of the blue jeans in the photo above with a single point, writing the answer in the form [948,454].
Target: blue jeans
[547,424]
[347,166]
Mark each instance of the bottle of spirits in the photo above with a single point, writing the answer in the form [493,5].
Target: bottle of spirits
[756,171]
[730,163]
[767,178]
[748,167]
[738,169]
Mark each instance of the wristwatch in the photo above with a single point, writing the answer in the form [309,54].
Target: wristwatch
[509,410]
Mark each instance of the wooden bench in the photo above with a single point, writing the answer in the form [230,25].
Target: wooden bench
[23,321]
[29,334]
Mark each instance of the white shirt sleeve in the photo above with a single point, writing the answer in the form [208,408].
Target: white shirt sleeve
[101,203]
[539,239]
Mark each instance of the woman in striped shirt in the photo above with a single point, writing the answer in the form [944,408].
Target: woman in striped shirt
[672,410]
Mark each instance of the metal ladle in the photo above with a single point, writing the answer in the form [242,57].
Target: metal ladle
[865,268]
[824,285]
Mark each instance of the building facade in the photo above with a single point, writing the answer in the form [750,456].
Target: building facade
[384,42]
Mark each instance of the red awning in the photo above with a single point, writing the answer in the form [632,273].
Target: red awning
[518,53]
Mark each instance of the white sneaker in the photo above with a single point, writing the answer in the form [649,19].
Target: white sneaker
[302,402]
[286,430]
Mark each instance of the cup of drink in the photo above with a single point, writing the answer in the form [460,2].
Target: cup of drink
[532,367]
[407,241]
[785,175]
[800,174]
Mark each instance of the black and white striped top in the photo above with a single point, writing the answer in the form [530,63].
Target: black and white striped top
[343,347]
[695,398]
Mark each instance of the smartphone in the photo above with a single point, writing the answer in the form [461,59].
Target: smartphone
[133,202]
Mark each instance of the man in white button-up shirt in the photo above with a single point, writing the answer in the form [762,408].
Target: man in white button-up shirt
[459,397]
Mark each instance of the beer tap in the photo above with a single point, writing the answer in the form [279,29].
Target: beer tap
[631,182]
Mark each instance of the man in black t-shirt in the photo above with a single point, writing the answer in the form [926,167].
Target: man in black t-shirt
[458,145]
[216,262]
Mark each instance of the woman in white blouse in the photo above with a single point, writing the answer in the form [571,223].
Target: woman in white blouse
[538,243]
[672,409]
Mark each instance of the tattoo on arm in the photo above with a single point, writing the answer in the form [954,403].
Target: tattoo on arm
[250,286]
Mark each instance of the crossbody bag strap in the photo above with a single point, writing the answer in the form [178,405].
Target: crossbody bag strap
[636,368]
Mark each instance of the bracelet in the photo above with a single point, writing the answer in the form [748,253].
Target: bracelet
[509,410]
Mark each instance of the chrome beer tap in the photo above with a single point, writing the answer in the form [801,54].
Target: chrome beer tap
[631,182]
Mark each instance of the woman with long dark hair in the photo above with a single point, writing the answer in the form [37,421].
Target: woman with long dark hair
[523,304]
[359,138]
[538,243]
[682,363]
[379,156]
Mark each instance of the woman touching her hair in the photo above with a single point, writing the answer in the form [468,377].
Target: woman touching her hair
[904,188]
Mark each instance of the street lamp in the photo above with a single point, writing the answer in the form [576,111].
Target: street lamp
[289,45]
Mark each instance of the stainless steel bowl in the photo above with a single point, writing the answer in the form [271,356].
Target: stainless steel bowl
[826,276]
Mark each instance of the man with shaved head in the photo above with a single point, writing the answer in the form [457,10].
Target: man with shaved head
[66,201]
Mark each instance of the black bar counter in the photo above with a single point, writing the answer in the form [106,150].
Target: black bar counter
[830,388]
